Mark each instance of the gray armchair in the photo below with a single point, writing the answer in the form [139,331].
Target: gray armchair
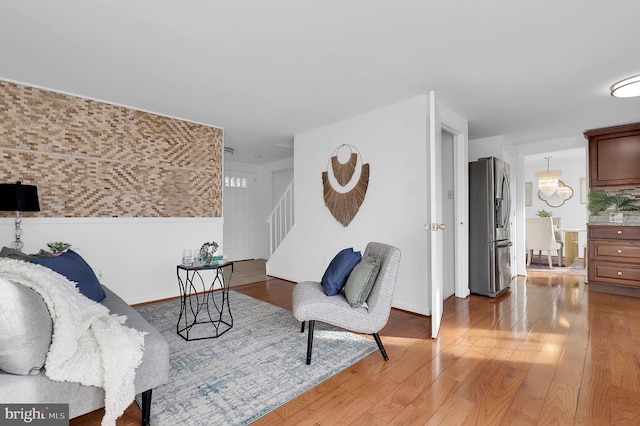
[311,304]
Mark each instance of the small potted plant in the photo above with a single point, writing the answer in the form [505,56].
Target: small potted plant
[601,200]
[208,252]
[543,213]
[58,247]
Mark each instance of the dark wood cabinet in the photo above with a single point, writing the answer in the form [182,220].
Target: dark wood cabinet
[614,156]
[614,259]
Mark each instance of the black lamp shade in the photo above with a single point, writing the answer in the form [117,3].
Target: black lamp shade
[19,197]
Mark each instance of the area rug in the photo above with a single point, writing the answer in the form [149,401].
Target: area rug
[249,371]
[576,268]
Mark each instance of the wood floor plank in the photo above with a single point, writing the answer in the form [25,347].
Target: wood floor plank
[453,412]
[407,391]
[594,401]
[495,402]
[431,398]
[526,405]
[360,402]
[625,407]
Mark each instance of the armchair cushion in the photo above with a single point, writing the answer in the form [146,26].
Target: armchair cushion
[73,266]
[335,277]
[26,329]
[361,279]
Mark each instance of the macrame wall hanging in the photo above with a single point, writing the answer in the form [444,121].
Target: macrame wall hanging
[344,184]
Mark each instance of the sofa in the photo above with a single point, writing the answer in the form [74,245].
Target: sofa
[32,386]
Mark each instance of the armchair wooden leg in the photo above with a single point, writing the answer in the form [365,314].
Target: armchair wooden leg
[380,346]
[146,407]
[312,324]
[302,327]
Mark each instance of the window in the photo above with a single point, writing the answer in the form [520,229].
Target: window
[235,182]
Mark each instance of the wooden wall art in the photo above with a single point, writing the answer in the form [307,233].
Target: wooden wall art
[344,184]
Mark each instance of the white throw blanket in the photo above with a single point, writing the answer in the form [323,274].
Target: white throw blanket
[89,345]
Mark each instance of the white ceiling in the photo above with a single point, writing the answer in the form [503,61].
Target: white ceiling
[557,159]
[266,70]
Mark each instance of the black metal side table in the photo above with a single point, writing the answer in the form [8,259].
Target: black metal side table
[204,314]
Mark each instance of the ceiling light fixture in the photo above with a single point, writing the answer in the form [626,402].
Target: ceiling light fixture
[548,180]
[627,88]
[564,191]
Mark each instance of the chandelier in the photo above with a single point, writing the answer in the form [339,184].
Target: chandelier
[548,180]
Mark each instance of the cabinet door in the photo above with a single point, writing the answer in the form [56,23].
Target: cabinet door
[614,157]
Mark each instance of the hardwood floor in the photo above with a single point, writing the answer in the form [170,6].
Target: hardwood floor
[546,352]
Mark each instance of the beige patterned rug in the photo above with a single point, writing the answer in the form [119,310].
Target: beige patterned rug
[542,265]
[249,371]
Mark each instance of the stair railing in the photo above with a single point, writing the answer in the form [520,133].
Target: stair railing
[281,219]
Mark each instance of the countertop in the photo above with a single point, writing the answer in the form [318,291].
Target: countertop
[629,220]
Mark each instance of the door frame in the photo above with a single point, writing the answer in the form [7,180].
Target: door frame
[461,199]
[444,119]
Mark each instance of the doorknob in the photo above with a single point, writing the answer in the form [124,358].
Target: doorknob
[438,226]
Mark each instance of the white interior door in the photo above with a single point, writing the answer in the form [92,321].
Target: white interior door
[434,211]
[237,209]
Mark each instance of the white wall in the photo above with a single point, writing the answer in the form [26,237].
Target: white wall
[280,181]
[135,257]
[494,146]
[393,141]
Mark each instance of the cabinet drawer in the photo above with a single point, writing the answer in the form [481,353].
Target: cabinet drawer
[615,232]
[620,251]
[611,273]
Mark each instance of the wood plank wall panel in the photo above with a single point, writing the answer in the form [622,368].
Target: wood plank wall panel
[93,159]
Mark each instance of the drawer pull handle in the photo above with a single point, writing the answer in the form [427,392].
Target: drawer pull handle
[619,232]
[619,251]
[619,273]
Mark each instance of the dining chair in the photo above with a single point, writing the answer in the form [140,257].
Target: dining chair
[540,236]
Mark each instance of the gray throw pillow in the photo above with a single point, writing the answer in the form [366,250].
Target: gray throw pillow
[26,329]
[361,280]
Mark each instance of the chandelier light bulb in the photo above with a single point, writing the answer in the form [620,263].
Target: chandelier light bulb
[548,180]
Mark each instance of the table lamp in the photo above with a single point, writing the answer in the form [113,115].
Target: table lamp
[19,198]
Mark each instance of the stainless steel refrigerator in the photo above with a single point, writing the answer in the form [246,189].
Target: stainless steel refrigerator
[489,227]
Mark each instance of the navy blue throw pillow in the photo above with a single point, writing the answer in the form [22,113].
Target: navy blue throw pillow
[335,277]
[73,266]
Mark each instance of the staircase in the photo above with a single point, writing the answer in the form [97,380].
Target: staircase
[281,219]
